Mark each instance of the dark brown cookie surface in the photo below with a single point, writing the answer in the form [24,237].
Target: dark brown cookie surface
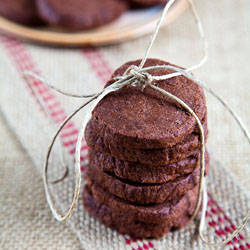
[138,172]
[143,193]
[80,14]
[154,213]
[20,11]
[148,120]
[146,3]
[154,157]
[135,228]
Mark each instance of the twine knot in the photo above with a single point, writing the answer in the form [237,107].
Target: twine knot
[143,79]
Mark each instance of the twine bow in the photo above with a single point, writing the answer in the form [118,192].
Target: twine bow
[138,76]
[143,79]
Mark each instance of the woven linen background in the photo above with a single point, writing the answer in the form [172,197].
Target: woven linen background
[25,219]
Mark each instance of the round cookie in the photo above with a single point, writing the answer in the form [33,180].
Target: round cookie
[135,228]
[20,11]
[138,172]
[80,14]
[155,213]
[148,120]
[153,157]
[142,193]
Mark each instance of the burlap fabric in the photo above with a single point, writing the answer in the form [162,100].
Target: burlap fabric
[25,219]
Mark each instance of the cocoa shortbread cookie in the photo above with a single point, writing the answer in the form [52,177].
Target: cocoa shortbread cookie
[20,11]
[138,172]
[147,119]
[154,157]
[145,3]
[155,213]
[143,193]
[80,14]
[138,229]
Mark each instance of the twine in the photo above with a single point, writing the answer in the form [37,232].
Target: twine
[61,146]
[139,77]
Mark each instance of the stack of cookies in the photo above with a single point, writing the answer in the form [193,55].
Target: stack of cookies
[144,156]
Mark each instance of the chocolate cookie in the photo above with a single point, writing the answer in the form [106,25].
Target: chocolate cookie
[143,193]
[138,172]
[80,14]
[146,3]
[148,120]
[20,11]
[154,157]
[156,213]
[135,228]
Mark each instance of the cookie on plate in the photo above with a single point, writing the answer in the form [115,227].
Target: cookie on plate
[20,11]
[146,3]
[80,14]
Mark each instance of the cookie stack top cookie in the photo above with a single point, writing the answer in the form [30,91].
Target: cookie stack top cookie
[130,121]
